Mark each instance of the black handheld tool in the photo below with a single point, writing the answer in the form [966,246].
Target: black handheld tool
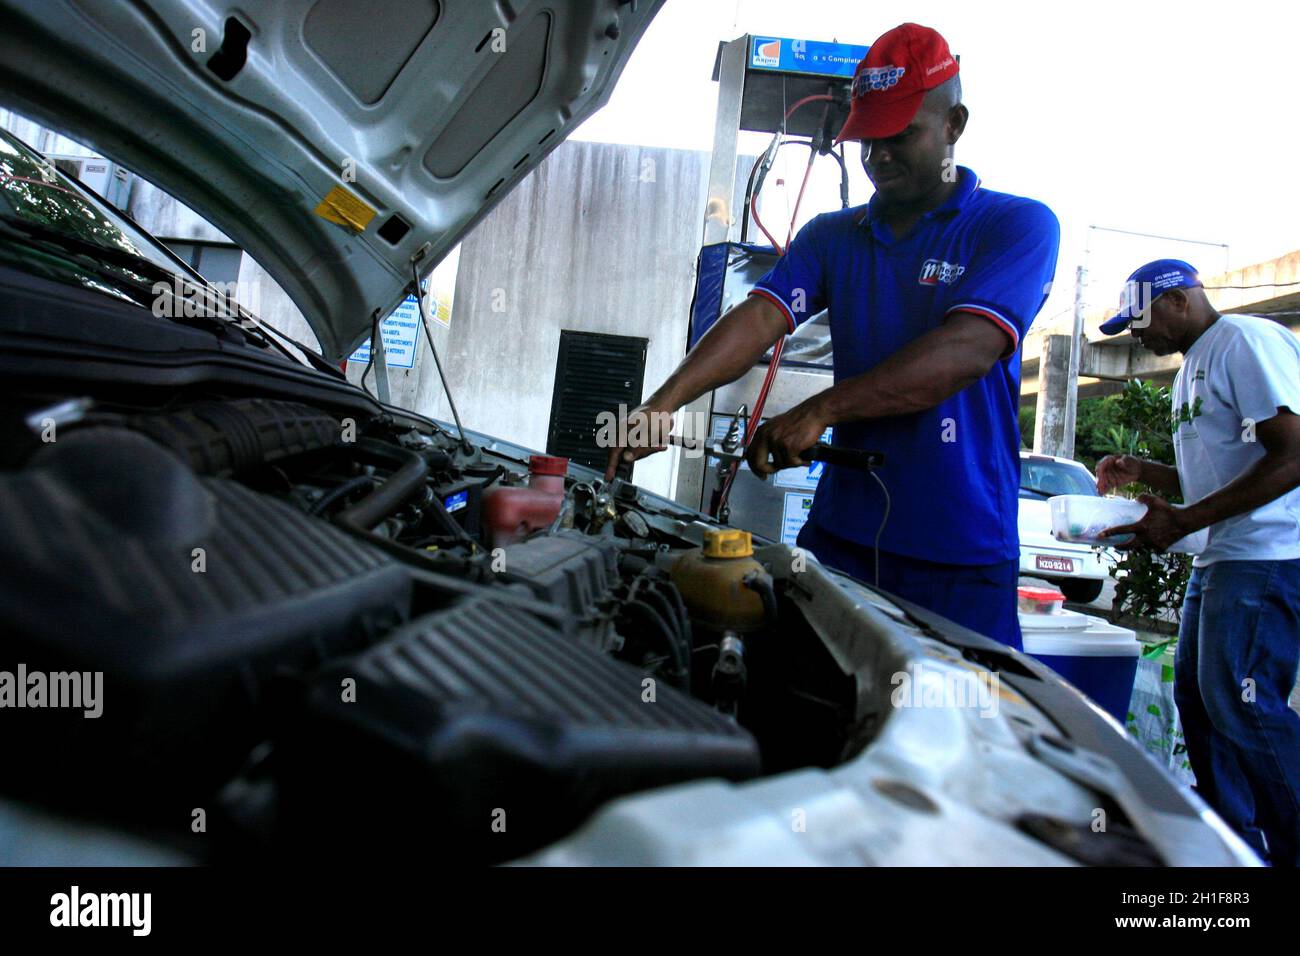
[857,458]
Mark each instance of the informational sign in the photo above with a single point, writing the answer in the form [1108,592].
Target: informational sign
[806,477]
[805,56]
[442,288]
[400,333]
[793,515]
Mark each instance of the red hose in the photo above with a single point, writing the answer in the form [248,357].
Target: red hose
[753,214]
[753,200]
[751,426]
[807,99]
[799,199]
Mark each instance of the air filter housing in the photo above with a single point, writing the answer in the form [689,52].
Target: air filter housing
[485,731]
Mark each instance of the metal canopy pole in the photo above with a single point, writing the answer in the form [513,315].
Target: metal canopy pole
[719,218]
[718,214]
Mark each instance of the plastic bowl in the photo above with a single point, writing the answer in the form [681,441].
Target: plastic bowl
[1081,519]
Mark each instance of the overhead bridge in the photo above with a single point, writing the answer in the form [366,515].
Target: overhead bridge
[1269,289]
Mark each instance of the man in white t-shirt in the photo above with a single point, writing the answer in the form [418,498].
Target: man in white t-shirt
[1237,448]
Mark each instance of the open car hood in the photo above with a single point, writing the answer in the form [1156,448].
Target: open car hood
[336,141]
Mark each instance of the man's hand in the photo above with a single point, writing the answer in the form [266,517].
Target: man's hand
[643,432]
[1161,526]
[782,438]
[1116,471]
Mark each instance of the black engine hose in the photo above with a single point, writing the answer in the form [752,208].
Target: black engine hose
[656,584]
[410,470]
[761,584]
[662,626]
[436,458]
[666,608]
[683,615]
[339,492]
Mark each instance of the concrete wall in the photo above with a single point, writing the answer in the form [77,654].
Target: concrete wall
[599,238]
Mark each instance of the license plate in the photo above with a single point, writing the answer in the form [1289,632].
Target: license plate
[1045,562]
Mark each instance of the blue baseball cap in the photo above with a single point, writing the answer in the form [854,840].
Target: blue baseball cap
[1145,285]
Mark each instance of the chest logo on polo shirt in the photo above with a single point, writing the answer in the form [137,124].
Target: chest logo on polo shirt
[934,271]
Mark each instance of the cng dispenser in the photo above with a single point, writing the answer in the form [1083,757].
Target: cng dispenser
[798,91]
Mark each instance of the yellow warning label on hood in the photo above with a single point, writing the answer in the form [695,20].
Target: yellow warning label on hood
[344,208]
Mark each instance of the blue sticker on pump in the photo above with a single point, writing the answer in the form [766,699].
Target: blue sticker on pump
[455,502]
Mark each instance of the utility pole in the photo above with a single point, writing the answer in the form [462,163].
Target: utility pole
[1058,407]
[1076,355]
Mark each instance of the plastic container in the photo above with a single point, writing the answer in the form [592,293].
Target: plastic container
[1082,518]
[1034,600]
[712,581]
[511,512]
[1097,657]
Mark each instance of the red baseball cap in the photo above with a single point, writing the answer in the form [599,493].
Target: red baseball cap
[892,80]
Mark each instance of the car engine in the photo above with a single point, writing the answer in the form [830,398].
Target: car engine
[310,636]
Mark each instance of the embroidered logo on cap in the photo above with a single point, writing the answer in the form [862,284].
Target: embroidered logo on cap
[875,79]
[1167,280]
[943,64]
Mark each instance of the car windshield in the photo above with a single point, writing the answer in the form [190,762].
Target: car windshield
[1043,477]
[33,192]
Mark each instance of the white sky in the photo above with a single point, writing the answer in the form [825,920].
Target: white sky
[1162,117]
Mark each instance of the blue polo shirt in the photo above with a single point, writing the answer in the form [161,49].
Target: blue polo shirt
[952,471]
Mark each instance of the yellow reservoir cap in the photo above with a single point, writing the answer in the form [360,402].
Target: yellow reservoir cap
[727,543]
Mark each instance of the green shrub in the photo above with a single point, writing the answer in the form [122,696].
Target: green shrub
[1094,420]
[1027,426]
[1147,584]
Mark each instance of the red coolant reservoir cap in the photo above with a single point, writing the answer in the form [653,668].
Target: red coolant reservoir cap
[548,465]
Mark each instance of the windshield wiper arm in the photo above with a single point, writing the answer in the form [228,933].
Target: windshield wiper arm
[220,316]
[73,243]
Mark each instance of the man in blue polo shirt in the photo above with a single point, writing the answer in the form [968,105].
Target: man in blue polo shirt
[929,288]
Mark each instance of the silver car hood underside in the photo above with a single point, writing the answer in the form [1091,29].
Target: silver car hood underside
[336,141]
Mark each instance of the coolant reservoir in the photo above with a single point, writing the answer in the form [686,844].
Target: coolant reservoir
[510,513]
[711,580]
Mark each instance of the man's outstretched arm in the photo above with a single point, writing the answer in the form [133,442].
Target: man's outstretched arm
[1272,476]
[728,350]
[918,376]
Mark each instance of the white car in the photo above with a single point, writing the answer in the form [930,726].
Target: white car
[598,684]
[1079,570]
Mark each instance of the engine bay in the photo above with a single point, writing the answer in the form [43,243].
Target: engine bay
[315,629]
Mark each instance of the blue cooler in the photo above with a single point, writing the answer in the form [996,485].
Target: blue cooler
[1098,658]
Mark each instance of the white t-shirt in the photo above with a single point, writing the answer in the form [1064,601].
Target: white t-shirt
[1241,370]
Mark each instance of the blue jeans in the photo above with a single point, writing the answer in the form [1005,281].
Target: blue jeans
[981,597]
[1238,651]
